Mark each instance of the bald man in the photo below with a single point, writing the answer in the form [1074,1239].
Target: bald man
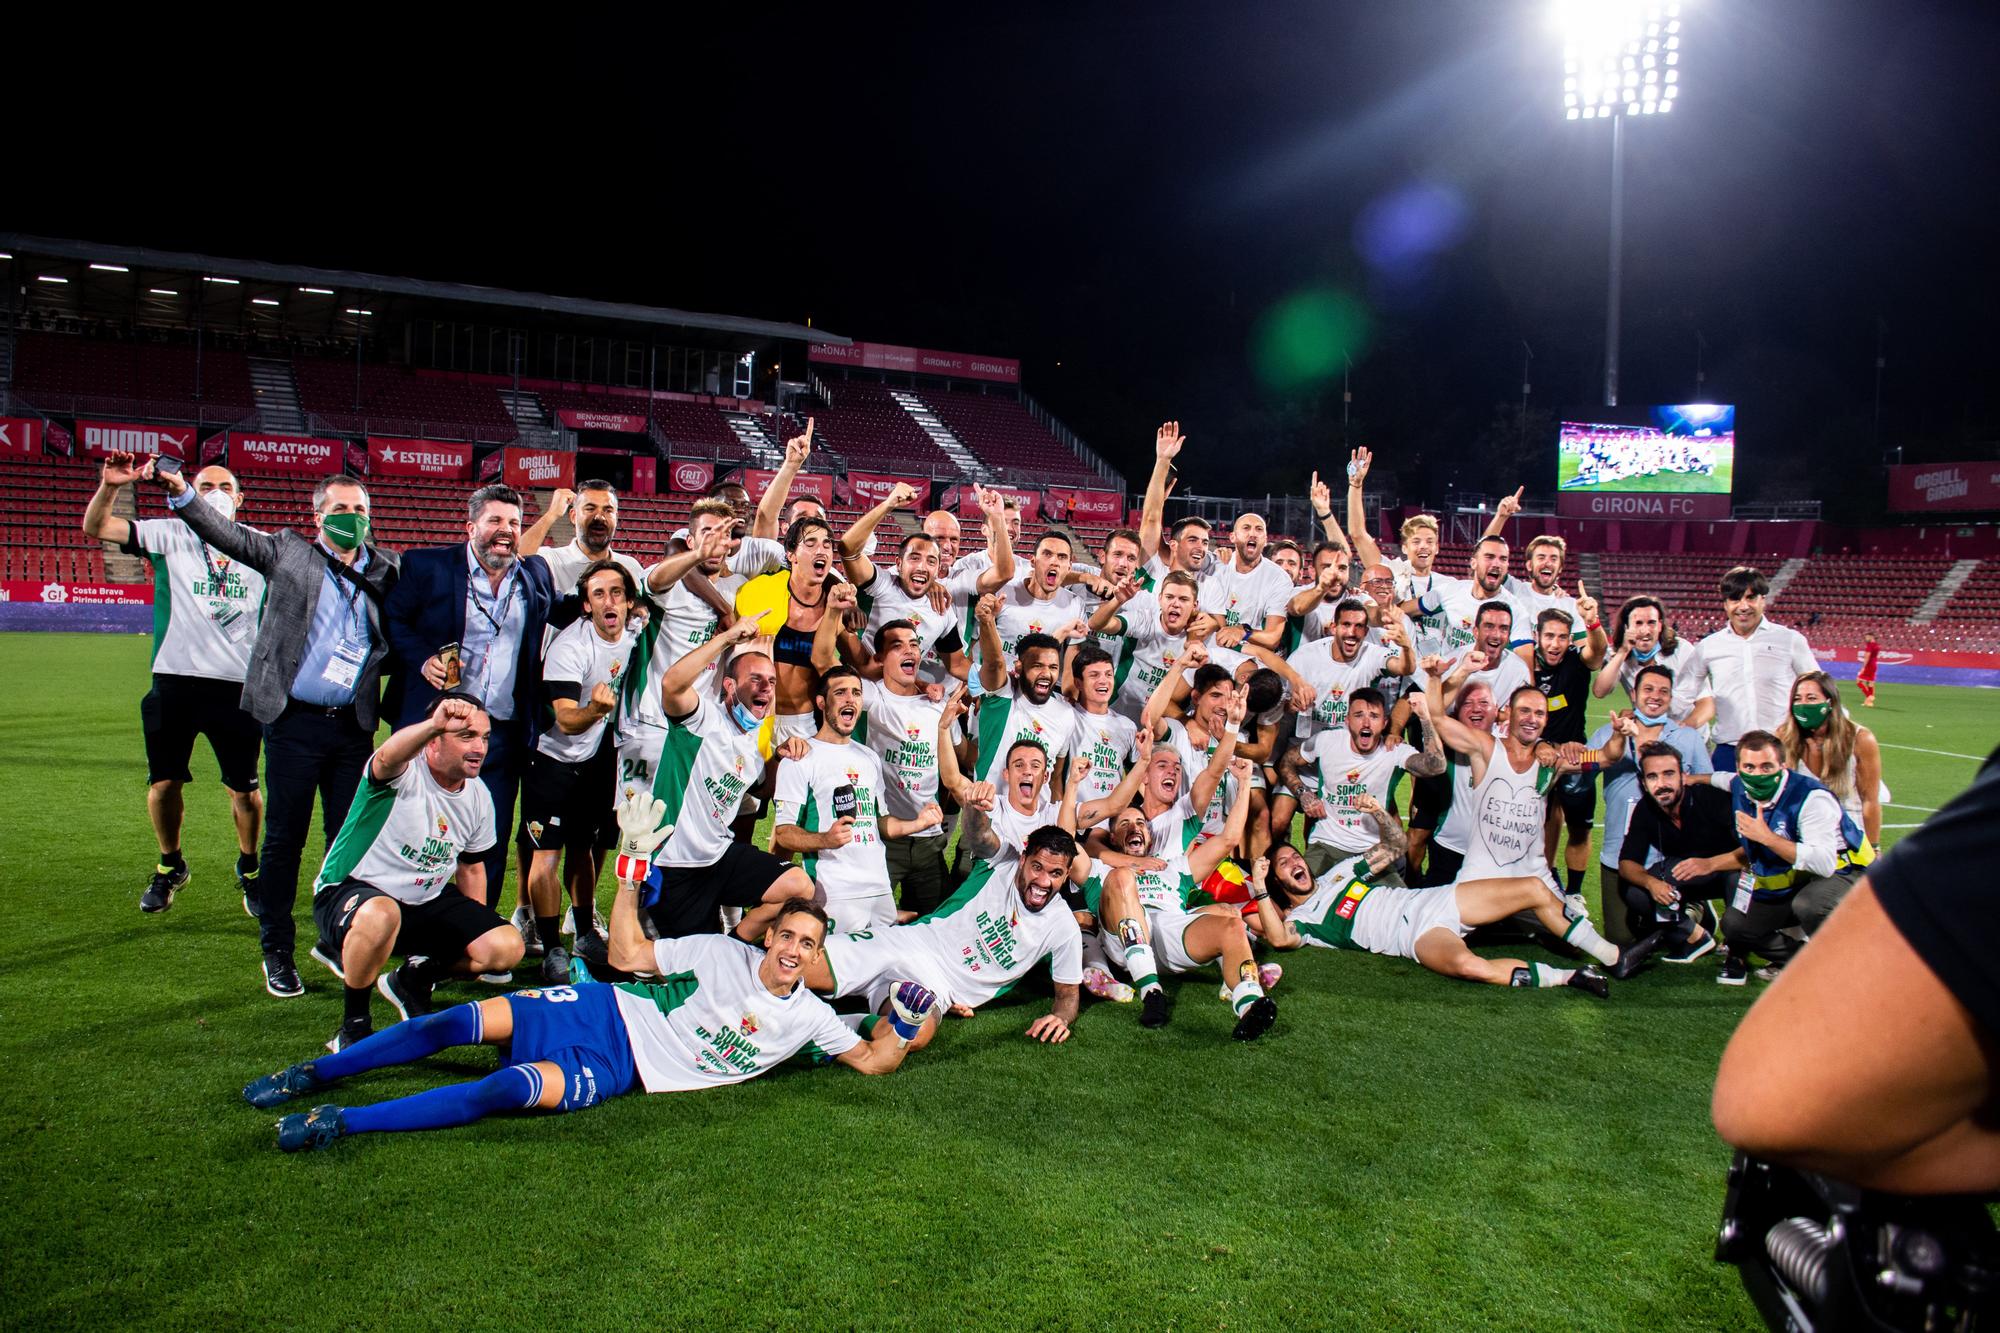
[201,653]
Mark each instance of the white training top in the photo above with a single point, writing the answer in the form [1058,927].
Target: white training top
[206,607]
[1016,828]
[406,836]
[710,1019]
[705,767]
[884,600]
[804,796]
[1506,809]
[1344,775]
[1239,597]
[1006,717]
[1150,653]
[684,622]
[567,563]
[1751,678]
[902,730]
[581,657]
[1021,614]
[1333,680]
[1107,738]
[985,939]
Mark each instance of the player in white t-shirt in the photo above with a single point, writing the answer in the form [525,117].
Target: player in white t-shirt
[1333,667]
[1003,922]
[406,874]
[716,754]
[1346,908]
[1247,595]
[919,589]
[570,789]
[720,1011]
[1457,606]
[206,609]
[1038,602]
[1154,626]
[1101,737]
[1541,590]
[829,806]
[900,722]
[1026,704]
[594,509]
[1358,758]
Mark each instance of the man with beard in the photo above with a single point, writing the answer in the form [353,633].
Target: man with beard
[1343,661]
[1647,723]
[406,872]
[1309,614]
[1488,657]
[1679,852]
[1562,672]
[1344,908]
[570,790]
[917,590]
[1460,606]
[1541,591]
[1154,627]
[1148,919]
[1643,637]
[1246,594]
[473,618]
[721,1012]
[1210,726]
[828,807]
[1004,920]
[1025,705]
[595,508]
[899,722]
[1346,762]
[1040,602]
[717,751]
[1508,805]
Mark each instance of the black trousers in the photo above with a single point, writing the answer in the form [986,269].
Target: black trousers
[507,755]
[1643,916]
[308,751]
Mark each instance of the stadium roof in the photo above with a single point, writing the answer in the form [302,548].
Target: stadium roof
[292,275]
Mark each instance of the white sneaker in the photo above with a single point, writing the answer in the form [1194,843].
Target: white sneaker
[1105,986]
[569,921]
[497,978]
[1574,907]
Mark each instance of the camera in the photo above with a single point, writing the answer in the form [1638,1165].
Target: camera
[1821,1256]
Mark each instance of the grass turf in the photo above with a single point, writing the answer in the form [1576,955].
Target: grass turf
[1400,1152]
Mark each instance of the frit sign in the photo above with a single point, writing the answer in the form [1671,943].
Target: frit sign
[310,455]
[388,457]
[689,477]
[539,469]
[103,438]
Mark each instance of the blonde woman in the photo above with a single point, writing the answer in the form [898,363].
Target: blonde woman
[1822,739]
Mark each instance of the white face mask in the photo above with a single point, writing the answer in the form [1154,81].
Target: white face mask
[222,502]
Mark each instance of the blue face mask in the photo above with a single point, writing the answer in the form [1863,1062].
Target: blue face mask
[745,719]
[1643,658]
[1646,720]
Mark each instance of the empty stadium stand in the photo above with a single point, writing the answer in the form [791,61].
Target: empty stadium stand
[391,401]
[70,375]
[1001,432]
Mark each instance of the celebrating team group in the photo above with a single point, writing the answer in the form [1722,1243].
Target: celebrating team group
[1120,740]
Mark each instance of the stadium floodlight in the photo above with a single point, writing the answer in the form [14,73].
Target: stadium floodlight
[50,277]
[352,311]
[111,268]
[163,291]
[317,291]
[262,300]
[227,282]
[1620,58]
[4,255]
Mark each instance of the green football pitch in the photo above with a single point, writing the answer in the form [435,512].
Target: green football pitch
[1400,1152]
[1660,483]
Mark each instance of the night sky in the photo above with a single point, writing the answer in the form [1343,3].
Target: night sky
[1132,199]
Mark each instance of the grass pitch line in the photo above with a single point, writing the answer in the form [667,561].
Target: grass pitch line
[1918,749]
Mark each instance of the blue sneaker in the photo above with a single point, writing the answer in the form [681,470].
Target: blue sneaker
[282,1086]
[579,972]
[317,1128]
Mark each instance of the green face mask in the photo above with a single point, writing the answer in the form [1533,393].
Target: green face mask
[1812,716]
[345,531]
[1761,786]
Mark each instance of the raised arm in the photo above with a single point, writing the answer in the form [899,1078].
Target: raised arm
[840,600]
[679,694]
[1366,549]
[993,505]
[1431,762]
[1444,730]
[259,550]
[1306,598]
[1322,506]
[1202,790]
[1595,644]
[992,657]
[1508,506]
[772,503]
[1167,442]
[852,542]
[1203,860]
[1091,813]
[537,533]
[394,755]
[119,471]
[1395,840]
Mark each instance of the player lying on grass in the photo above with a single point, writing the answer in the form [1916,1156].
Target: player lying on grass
[1148,919]
[1344,910]
[1004,920]
[716,1011]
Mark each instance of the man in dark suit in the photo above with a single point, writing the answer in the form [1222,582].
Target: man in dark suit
[488,607]
[315,676]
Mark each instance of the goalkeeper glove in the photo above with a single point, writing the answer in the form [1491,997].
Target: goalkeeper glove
[642,827]
[909,1005]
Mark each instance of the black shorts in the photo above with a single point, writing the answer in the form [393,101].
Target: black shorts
[1429,799]
[570,805]
[1576,794]
[440,928]
[691,897]
[179,708]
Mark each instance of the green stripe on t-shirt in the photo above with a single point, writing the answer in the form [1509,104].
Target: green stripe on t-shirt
[668,993]
[676,768]
[365,819]
[967,891]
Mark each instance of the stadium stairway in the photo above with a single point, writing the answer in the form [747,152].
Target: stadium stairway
[1591,571]
[1947,588]
[765,452]
[1785,574]
[277,396]
[529,419]
[953,447]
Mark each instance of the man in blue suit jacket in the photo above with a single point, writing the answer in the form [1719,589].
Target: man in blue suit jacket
[494,606]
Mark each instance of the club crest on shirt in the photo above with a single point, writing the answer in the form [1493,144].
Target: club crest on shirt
[444,828]
[747,1025]
[1354,775]
[616,667]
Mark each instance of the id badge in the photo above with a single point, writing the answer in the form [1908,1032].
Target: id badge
[1744,885]
[343,668]
[231,620]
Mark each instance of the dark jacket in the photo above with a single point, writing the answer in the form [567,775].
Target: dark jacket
[294,570]
[427,611]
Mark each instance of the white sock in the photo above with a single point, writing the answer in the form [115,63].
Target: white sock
[1243,992]
[1139,962]
[1093,952]
[1552,976]
[1585,937]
